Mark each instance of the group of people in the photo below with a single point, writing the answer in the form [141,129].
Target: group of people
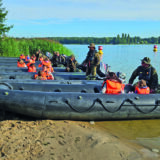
[47,69]
[146,73]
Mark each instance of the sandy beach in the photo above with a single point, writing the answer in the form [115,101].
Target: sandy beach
[28,139]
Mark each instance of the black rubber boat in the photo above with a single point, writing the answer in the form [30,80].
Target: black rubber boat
[17,69]
[87,82]
[57,75]
[48,87]
[80,106]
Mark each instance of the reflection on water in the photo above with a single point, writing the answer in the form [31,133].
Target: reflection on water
[143,132]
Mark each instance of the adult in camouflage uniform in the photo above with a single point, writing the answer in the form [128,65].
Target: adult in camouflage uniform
[146,72]
[71,64]
[92,61]
[57,59]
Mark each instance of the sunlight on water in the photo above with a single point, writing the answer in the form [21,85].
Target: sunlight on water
[143,132]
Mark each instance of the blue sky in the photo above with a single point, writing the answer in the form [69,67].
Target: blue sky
[83,18]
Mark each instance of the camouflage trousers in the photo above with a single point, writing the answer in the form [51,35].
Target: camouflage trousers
[91,70]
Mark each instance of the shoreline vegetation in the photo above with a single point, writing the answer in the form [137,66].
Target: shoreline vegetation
[12,47]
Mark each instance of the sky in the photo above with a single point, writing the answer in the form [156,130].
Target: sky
[83,18]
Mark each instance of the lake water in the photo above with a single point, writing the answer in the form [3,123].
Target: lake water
[123,58]
[126,58]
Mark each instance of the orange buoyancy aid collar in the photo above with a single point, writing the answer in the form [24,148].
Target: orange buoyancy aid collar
[30,69]
[21,65]
[114,87]
[142,90]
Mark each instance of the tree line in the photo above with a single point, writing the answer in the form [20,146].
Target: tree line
[119,39]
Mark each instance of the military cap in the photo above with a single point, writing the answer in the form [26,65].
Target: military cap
[146,60]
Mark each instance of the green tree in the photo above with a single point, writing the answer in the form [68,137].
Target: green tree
[3,27]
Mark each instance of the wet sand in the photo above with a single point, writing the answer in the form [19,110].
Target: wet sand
[30,139]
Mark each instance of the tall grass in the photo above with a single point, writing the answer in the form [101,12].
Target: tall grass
[11,47]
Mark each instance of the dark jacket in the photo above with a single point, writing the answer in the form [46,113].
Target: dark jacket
[149,74]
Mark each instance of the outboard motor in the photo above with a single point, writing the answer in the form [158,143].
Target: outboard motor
[121,76]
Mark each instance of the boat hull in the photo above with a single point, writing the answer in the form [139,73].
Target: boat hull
[80,106]
[57,75]
[47,87]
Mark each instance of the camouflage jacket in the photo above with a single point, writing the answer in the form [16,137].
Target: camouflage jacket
[149,74]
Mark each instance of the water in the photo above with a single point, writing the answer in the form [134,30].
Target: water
[124,58]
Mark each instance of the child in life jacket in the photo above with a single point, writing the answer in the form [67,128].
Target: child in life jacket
[40,76]
[22,56]
[32,68]
[112,84]
[20,63]
[142,88]
[27,58]
[47,73]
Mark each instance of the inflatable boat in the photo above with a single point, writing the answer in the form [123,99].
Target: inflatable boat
[80,106]
[57,75]
[17,69]
[48,87]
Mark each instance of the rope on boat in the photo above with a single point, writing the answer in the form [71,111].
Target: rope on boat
[113,111]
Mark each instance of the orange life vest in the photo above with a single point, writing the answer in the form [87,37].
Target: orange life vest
[39,78]
[48,75]
[142,90]
[33,58]
[22,57]
[23,65]
[27,58]
[41,59]
[32,69]
[113,87]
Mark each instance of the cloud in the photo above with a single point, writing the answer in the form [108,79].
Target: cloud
[83,9]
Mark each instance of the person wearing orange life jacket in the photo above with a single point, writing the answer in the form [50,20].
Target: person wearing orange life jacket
[47,74]
[27,58]
[20,63]
[40,76]
[142,88]
[30,62]
[41,58]
[22,56]
[33,57]
[32,68]
[112,84]
[47,63]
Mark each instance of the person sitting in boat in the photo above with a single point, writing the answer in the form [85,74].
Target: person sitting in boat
[147,73]
[20,63]
[41,58]
[112,84]
[22,56]
[47,62]
[30,62]
[40,76]
[142,88]
[55,59]
[32,68]
[47,73]
[27,58]
[72,64]
[92,61]
[33,57]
